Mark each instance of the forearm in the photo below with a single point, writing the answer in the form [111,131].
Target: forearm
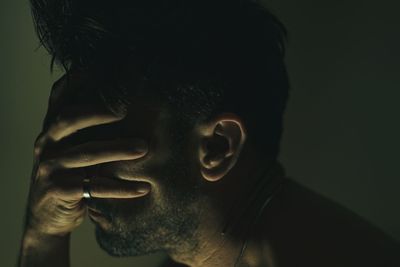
[44,250]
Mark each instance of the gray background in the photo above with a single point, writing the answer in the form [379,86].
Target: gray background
[342,124]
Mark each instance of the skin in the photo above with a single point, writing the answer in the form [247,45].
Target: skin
[153,193]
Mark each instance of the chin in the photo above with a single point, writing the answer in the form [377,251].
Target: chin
[114,244]
[122,245]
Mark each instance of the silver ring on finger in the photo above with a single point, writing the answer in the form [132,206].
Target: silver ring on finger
[86,188]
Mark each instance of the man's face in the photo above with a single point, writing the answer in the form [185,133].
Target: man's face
[166,216]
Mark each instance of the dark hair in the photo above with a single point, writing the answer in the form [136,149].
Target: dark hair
[202,56]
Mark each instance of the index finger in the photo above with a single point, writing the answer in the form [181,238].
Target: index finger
[72,120]
[97,152]
[59,92]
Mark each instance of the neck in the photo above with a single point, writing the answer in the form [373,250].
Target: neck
[225,235]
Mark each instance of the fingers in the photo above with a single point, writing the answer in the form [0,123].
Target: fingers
[60,90]
[62,120]
[55,96]
[76,119]
[97,152]
[101,187]
[67,185]
[55,204]
[72,121]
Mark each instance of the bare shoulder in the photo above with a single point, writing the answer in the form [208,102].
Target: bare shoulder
[324,229]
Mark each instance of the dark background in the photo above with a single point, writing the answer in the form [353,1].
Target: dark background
[342,125]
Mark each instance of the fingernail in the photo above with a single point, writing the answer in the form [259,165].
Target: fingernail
[141,145]
[143,189]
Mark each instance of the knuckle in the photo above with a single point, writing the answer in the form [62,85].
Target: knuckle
[45,167]
[37,151]
[60,124]
[38,144]
[60,121]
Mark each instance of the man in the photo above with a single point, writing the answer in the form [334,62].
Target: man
[165,130]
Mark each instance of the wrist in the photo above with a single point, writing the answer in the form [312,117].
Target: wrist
[44,250]
[33,238]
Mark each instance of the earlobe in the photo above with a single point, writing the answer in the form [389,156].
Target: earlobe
[222,140]
[217,172]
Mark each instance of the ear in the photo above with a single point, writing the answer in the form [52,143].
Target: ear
[221,141]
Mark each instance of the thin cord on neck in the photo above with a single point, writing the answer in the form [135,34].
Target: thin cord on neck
[260,184]
[267,178]
[265,204]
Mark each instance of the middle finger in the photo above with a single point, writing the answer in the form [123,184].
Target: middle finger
[97,152]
